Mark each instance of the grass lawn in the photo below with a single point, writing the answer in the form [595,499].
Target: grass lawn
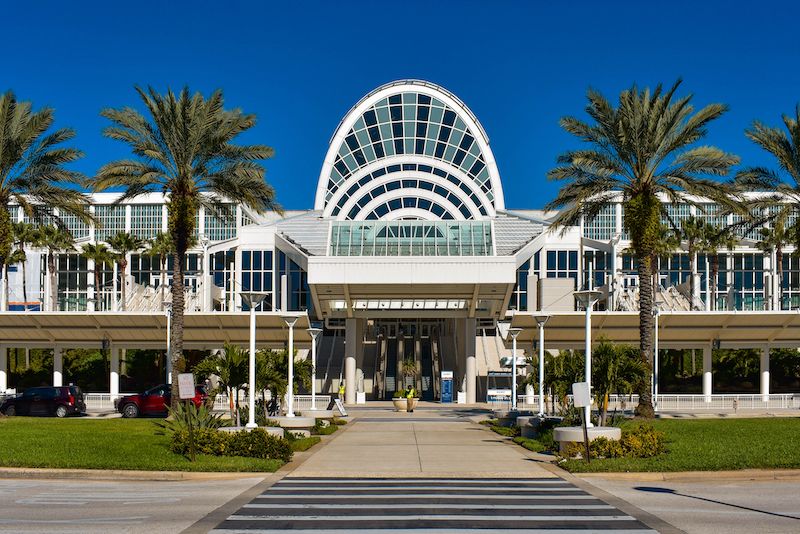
[712,445]
[83,443]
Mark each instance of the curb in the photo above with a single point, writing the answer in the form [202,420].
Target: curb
[705,477]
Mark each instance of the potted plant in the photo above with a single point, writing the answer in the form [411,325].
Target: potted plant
[400,401]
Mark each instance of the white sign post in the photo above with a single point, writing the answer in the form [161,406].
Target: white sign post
[582,398]
[187,392]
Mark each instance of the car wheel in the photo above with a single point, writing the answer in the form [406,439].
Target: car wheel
[11,411]
[130,411]
[61,411]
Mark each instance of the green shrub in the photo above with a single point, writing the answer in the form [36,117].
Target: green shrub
[639,441]
[530,444]
[507,430]
[303,444]
[249,444]
[320,428]
[201,417]
[339,422]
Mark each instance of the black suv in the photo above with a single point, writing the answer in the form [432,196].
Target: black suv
[46,400]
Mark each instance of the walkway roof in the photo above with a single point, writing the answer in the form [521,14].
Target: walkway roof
[676,329]
[146,330]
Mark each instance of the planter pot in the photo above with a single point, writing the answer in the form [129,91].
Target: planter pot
[400,404]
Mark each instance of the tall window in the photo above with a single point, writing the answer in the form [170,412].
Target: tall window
[257,272]
[111,220]
[562,264]
[146,220]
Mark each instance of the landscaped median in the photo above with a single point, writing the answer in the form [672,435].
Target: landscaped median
[113,444]
[695,445]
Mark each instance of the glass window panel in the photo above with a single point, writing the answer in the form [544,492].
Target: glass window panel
[436,115]
[383,114]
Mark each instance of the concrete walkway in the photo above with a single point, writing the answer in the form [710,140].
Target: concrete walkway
[430,442]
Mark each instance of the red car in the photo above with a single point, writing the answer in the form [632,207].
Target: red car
[155,401]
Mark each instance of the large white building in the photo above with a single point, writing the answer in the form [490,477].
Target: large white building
[410,253]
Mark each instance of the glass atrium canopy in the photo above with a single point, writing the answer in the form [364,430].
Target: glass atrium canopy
[409,150]
[411,238]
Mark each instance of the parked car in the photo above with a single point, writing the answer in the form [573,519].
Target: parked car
[60,401]
[155,401]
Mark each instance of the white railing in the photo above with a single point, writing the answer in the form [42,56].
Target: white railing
[676,402]
[301,402]
[102,401]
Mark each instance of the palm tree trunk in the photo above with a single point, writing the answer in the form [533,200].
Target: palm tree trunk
[163,278]
[778,272]
[645,407]
[176,336]
[692,271]
[51,266]
[24,287]
[123,265]
[714,274]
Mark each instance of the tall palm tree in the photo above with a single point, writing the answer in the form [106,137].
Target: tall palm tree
[32,172]
[25,234]
[774,240]
[161,246]
[186,152]
[55,239]
[717,239]
[641,151]
[123,243]
[694,233]
[98,254]
[779,198]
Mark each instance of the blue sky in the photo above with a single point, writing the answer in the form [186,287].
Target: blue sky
[300,66]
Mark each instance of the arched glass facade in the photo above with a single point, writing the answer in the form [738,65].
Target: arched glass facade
[409,150]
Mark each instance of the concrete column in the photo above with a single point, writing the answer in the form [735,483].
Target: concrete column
[123,364]
[360,324]
[114,289]
[3,367]
[707,378]
[113,380]
[765,373]
[58,367]
[350,344]
[91,291]
[469,356]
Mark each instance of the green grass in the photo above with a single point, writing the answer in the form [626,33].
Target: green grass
[82,443]
[712,445]
[303,444]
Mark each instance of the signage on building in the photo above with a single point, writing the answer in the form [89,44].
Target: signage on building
[447,386]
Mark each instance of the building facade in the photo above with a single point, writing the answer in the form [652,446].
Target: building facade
[409,256]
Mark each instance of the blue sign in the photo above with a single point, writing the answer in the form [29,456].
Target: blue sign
[447,386]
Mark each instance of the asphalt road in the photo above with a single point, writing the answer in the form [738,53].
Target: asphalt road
[699,508]
[131,507]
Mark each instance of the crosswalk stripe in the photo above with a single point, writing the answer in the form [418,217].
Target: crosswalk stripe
[420,517]
[431,531]
[462,506]
[395,496]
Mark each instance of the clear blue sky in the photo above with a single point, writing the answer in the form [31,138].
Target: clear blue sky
[300,66]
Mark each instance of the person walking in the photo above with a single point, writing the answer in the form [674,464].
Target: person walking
[341,392]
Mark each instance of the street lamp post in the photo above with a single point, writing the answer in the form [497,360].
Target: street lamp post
[541,320]
[252,300]
[290,321]
[656,313]
[314,332]
[205,293]
[588,300]
[514,332]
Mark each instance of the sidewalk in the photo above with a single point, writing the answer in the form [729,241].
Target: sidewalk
[430,442]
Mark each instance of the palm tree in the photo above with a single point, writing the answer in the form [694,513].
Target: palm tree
[616,369]
[161,246]
[272,370]
[718,238]
[641,152]
[123,243]
[32,172]
[779,199]
[232,371]
[25,234]
[773,240]
[186,152]
[97,254]
[55,239]
[694,232]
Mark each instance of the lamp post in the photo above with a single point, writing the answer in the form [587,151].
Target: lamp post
[656,313]
[290,320]
[588,300]
[168,310]
[252,300]
[514,332]
[204,241]
[314,332]
[541,320]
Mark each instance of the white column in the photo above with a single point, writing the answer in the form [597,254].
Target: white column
[3,367]
[91,291]
[251,394]
[114,288]
[765,373]
[708,284]
[113,362]
[707,378]
[469,358]
[350,343]
[58,367]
